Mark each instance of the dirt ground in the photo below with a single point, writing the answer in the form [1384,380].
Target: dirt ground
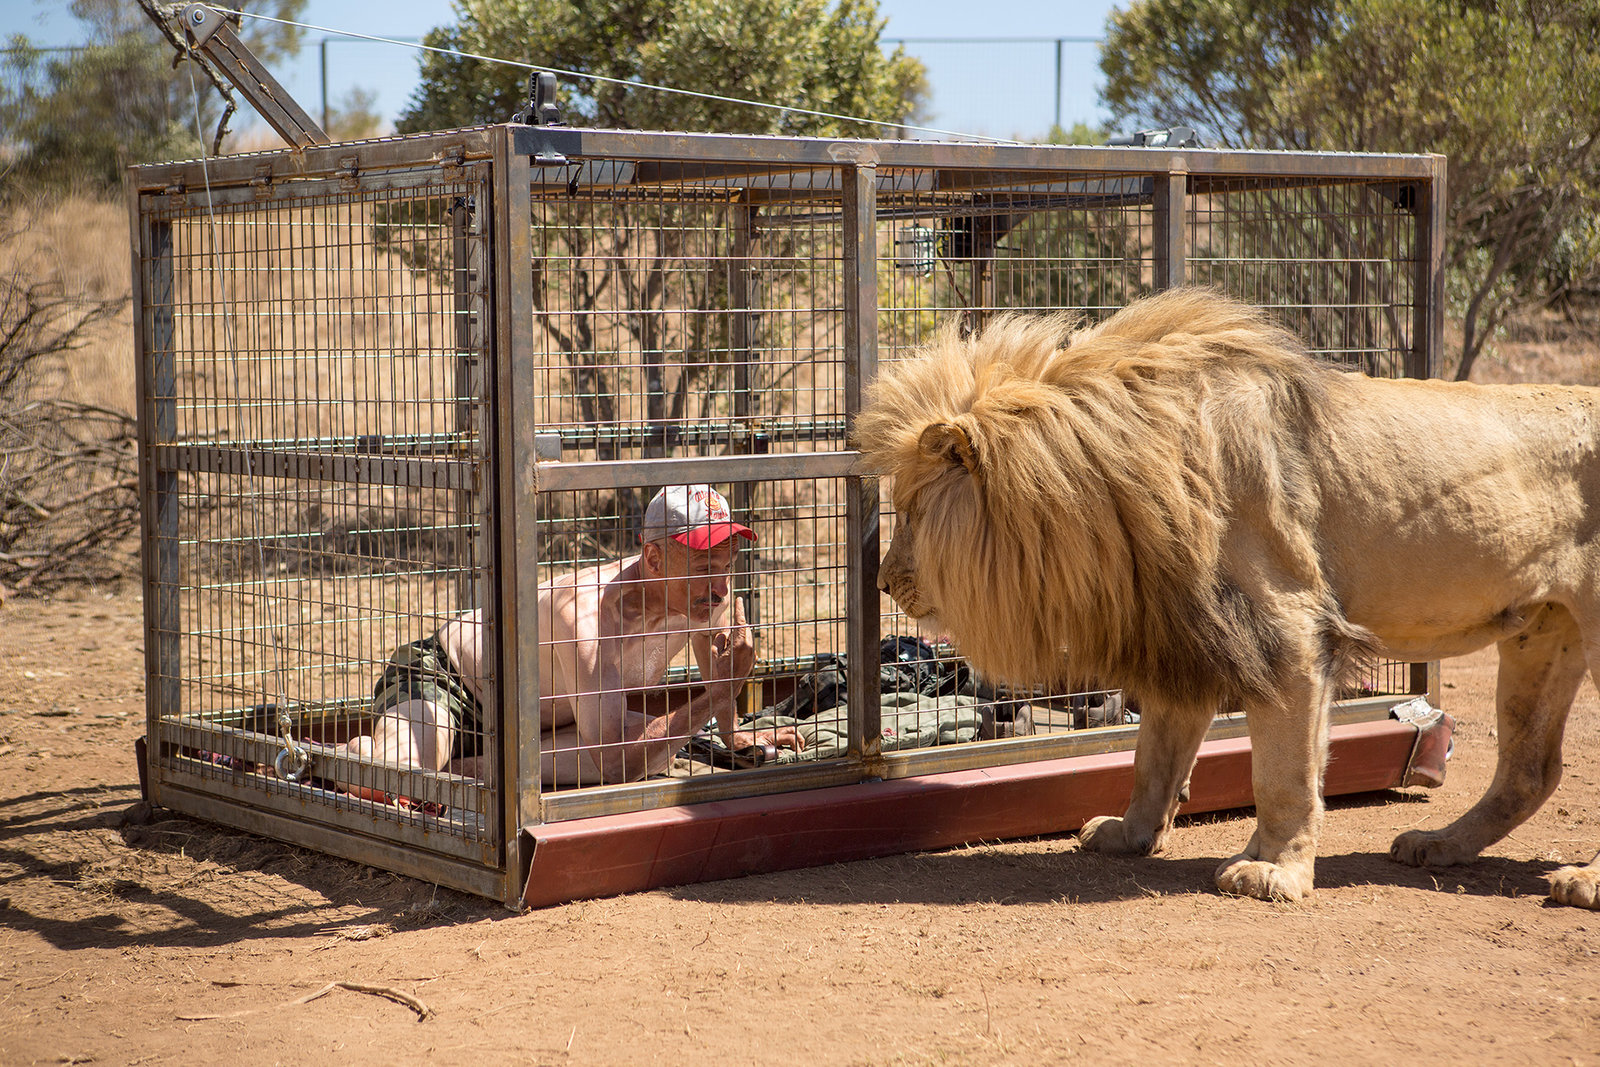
[175,942]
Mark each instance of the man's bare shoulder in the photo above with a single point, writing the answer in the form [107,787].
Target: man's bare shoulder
[578,602]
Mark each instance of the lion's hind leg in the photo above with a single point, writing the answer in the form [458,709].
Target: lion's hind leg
[1169,739]
[1540,671]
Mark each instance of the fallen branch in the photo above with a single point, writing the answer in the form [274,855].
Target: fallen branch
[422,1010]
[400,997]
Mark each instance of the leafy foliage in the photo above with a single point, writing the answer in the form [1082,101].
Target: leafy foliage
[1508,91]
[808,53]
[78,118]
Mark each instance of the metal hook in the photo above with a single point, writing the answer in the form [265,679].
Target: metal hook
[300,771]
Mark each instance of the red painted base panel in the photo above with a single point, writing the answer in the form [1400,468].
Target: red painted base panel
[602,856]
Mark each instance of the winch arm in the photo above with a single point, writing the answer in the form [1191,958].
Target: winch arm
[210,35]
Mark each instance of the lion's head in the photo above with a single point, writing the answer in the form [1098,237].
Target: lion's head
[1061,497]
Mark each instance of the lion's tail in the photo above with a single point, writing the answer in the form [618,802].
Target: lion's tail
[1350,649]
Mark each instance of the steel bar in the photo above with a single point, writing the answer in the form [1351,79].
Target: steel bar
[619,473]
[317,466]
[215,38]
[861,493]
[516,507]
[1171,221]
[576,143]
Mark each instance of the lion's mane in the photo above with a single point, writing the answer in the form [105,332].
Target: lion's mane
[1070,493]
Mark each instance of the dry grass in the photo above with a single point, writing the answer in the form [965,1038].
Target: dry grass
[67,499]
[1545,346]
[81,244]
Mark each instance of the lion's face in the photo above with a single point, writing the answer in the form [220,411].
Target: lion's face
[897,574]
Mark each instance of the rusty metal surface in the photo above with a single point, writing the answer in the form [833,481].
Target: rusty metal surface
[637,851]
[207,28]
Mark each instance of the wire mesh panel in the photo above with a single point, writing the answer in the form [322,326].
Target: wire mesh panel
[1027,240]
[1333,262]
[314,378]
[676,319]
[434,429]
[785,580]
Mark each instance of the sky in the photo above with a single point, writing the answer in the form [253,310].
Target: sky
[992,88]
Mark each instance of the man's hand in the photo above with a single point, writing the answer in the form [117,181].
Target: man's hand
[783,737]
[732,653]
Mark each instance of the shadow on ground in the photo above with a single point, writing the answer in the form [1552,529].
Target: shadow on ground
[75,870]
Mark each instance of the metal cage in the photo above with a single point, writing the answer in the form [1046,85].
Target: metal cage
[388,382]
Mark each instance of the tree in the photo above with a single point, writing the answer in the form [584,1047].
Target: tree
[1509,91]
[808,53]
[604,271]
[81,117]
[355,116]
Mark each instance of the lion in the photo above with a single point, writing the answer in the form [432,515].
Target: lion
[1182,503]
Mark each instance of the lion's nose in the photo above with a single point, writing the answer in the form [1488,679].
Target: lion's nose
[883,584]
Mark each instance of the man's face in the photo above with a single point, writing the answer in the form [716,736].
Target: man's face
[697,582]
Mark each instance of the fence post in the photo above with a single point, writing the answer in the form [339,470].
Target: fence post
[861,493]
[1170,239]
[515,611]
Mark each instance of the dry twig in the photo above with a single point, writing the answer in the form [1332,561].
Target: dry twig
[396,995]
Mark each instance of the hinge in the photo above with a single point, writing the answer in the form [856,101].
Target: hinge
[348,172]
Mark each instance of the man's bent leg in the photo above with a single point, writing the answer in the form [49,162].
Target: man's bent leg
[414,734]
[563,761]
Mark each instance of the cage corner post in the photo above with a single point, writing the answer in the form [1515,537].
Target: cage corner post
[1427,327]
[863,625]
[1170,202]
[155,378]
[516,503]
[1427,330]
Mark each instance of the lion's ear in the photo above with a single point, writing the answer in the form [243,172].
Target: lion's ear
[948,442]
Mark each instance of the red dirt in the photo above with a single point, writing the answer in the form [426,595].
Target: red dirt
[176,942]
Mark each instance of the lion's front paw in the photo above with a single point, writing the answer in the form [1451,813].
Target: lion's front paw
[1242,876]
[1109,833]
[1577,886]
[1429,848]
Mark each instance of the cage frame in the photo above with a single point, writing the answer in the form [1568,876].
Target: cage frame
[505,161]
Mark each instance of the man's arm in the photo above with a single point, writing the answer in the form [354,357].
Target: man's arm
[626,745]
[700,643]
[704,645]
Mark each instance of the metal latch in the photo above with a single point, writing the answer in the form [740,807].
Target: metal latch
[451,158]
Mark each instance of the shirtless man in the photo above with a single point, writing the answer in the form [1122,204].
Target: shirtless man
[603,631]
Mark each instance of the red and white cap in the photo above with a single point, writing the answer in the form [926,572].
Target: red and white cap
[696,516]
